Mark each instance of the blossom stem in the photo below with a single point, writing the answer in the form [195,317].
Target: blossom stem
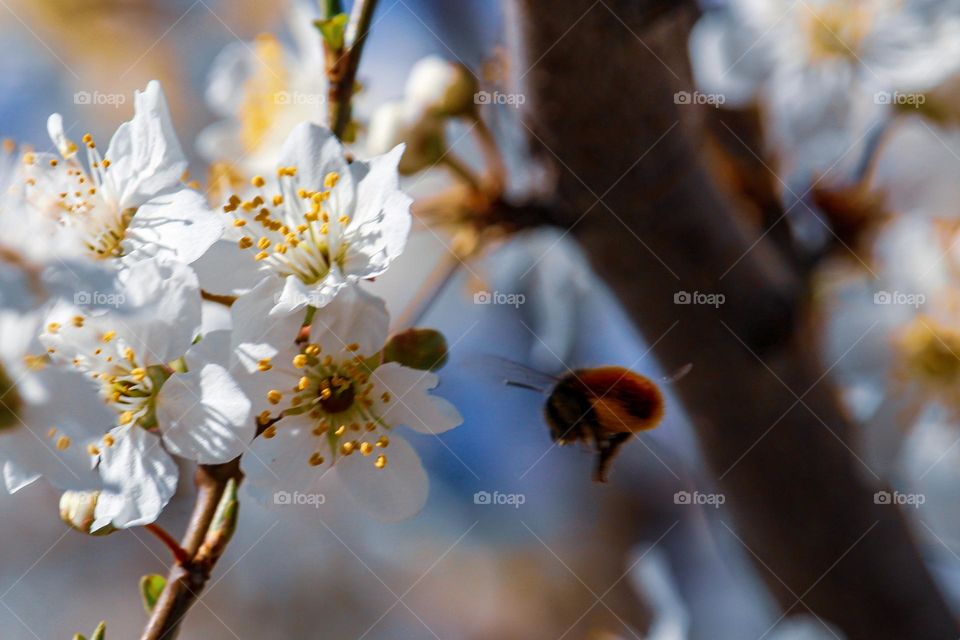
[873,151]
[497,171]
[179,554]
[342,65]
[460,169]
[187,579]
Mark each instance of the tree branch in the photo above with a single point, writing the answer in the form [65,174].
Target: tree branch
[600,100]
[186,580]
[342,65]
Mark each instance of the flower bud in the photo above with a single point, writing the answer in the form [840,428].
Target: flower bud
[77,509]
[423,349]
[441,87]
[394,123]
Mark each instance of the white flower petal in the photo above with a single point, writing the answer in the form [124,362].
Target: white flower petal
[214,347]
[354,317]
[230,69]
[165,298]
[410,403]
[221,140]
[394,493]
[282,462]
[296,295]
[204,416]
[316,152]
[145,154]
[216,317]
[727,59]
[377,233]
[29,448]
[227,270]
[259,336]
[55,128]
[179,226]
[139,478]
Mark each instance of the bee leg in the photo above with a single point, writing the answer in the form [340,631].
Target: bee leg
[607,447]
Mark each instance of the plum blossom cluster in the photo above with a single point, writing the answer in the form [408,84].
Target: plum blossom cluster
[118,357]
[827,75]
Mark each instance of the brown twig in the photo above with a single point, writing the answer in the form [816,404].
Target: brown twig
[179,553]
[342,65]
[187,579]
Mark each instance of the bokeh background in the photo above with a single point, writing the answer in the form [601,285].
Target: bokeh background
[574,560]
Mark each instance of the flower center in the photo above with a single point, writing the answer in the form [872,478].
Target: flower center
[293,232]
[105,239]
[127,384]
[931,353]
[837,30]
[77,200]
[262,92]
[336,396]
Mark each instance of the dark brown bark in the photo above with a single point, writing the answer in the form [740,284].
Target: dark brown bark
[600,95]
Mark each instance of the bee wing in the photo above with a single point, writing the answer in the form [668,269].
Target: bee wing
[679,374]
[512,373]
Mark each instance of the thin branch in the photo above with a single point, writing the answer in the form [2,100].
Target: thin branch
[342,65]
[179,553]
[187,579]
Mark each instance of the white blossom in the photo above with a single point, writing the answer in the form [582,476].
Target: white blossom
[128,204]
[162,386]
[261,90]
[321,225]
[38,438]
[332,408]
[824,72]
[894,338]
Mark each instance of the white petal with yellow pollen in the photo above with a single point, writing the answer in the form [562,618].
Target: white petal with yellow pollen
[49,442]
[225,270]
[395,492]
[316,153]
[356,322]
[256,335]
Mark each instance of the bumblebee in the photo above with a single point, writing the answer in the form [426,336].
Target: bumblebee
[601,407]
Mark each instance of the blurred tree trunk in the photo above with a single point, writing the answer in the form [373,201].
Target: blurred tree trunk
[632,187]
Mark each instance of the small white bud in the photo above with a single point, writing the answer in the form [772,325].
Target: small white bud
[77,509]
[441,87]
[395,123]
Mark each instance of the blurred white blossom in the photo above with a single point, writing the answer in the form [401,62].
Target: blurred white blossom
[894,337]
[261,90]
[824,72]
